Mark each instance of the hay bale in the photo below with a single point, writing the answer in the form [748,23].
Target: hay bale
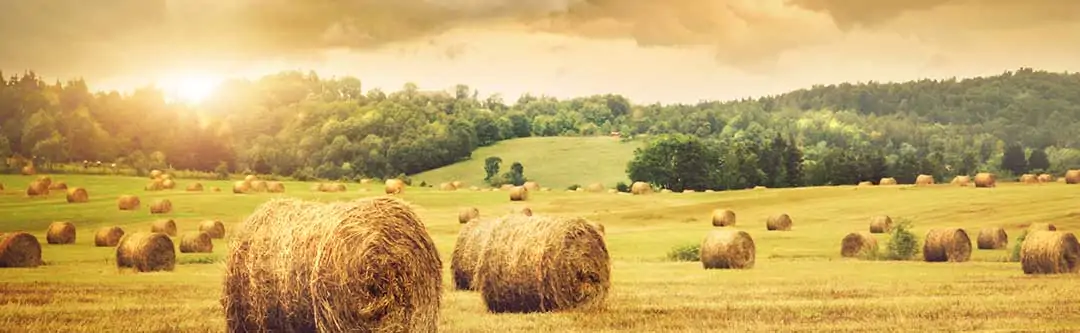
[579,189]
[250,178]
[77,195]
[612,191]
[1072,177]
[213,228]
[519,193]
[365,181]
[665,191]
[595,188]
[366,265]
[639,188]
[168,184]
[58,186]
[128,202]
[37,188]
[947,244]
[1042,227]
[985,179]
[599,227]
[723,218]
[923,180]
[163,206]
[155,174]
[992,238]
[857,244]
[19,249]
[155,185]
[865,183]
[167,227]
[523,211]
[45,180]
[259,186]
[108,236]
[447,187]
[728,248]
[1,187]
[710,191]
[474,188]
[1050,252]
[532,186]
[457,184]
[196,242]
[215,189]
[468,214]
[29,170]
[195,187]
[241,187]
[880,224]
[464,261]
[146,252]
[394,186]
[962,181]
[166,176]
[276,187]
[688,191]
[331,187]
[1046,178]
[887,181]
[543,264]
[760,187]
[780,222]
[1029,179]
[60,233]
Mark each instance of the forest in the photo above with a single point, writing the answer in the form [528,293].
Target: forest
[298,125]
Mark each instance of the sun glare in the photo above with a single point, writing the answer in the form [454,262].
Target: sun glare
[189,88]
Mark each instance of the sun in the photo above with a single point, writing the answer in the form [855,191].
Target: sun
[189,87]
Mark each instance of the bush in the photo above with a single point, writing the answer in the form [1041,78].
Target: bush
[304,174]
[574,187]
[222,170]
[903,244]
[405,178]
[1015,257]
[622,187]
[689,252]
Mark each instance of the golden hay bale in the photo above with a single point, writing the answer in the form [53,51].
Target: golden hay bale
[1072,177]
[213,228]
[457,184]
[330,187]
[880,224]
[57,186]
[760,187]
[196,242]
[710,191]
[723,218]
[108,236]
[1,186]
[60,233]
[1050,252]
[29,170]
[474,188]
[163,206]
[532,186]
[595,188]
[887,181]
[924,180]
[523,211]
[728,248]
[19,249]
[961,181]
[542,264]
[128,202]
[779,222]
[447,187]
[366,265]
[985,179]
[37,188]
[1046,178]
[276,187]
[250,178]
[167,227]
[259,186]
[468,214]
[866,183]
[45,180]
[857,244]
[394,186]
[992,238]
[471,240]
[168,184]
[1042,227]
[665,191]
[947,244]
[599,227]
[166,176]
[155,174]
[195,187]
[155,185]
[688,191]
[77,195]
[639,188]
[241,187]
[1029,179]
[519,193]
[366,181]
[146,252]
[579,189]
[612,191]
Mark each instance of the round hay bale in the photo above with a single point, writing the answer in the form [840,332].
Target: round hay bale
[519,193]
[241,187]
[19,249]
[195,187]
[366,265]
[639,188]
[887,181]
[923,180]
[599,227]
[58,186]
[77,195]
[523,211]
[688,191]
[760,187]
[474,188]
[155,174]
[728,249]
[108,236]
[612,191]
[196,242]
[579,189]
[1050,252]
[1029,179]
[166,227]
[779,222]
[471,240]
[857,244]
[37,188]
[947,244]
[146,252]
[1042,227]
[992,238]
[962,181]
[1,186]
[1046,178]
[447,187]
[723,218]
[985,179]
[166,176]
[60,233]
[365,181]
[168,184]
[1072,177]
[250,178]
[468,214]
[275,187]
[865,184]
[457,184]
[880,224]
[259,186]
[213,228]
[155,185]
[665,191]
[543,264]
[29,170]
[45,180]
[163,206]
[595,188]
[710,191]
[128,202]
[532,186]
[394,186]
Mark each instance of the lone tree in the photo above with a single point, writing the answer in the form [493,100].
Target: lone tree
[1038,161]
[1013,160]
[675,162]
[491,167]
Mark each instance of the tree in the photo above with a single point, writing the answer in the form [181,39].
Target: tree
[516,176]
[491,167]
[1038,161]
[793,161]
[1013,160]
[676,162]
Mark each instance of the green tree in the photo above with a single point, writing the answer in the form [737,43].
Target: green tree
[1038,161]
[5,152]
[675,162]
[491,167]
[793,164]
[516,176]
[1014,160]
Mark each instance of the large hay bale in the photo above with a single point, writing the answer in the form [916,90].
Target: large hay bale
[155,174]
[599,227]
[532,186]
[259,186]
[1072,177]
[779,222]
[1042,227]
[58,186]
[857,244]
[723,218]
[241,187]
[728,248]
[519,193]
[167,227]
[19,249]
[195,187]
[543,263]
[865,183]
[887,181]
[168,184]
[155,185]
[196,242]
[923,180]
[37,188]
[163,206]
[213,228]
[60,233]
[1049,252]
[947,244]
[331,187]
[467,214]
[639,188]
[595,188]
[128,202]
[275,187]
[447,187]
[992,238]
[880,224]
[985,179]
[457,184]
[464,261]
[1028,178]
[367,265]
[1046,178]
[961,181]
[394,186]
[77,195]
[146,252]
[108,236]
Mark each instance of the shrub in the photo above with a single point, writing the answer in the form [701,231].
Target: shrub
[574,187]
[688,252]
[622,187]
[304,174]
[1015,257]
[903,244]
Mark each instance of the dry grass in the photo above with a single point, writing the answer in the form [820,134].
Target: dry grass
[467,214]
[394,186]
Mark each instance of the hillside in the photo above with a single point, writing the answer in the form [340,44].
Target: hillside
[555,162]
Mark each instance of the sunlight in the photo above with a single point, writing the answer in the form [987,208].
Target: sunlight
[189,87]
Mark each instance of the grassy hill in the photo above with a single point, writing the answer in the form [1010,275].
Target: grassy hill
[555,162]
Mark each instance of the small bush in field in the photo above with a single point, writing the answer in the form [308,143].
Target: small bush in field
[688,252]
[903,244]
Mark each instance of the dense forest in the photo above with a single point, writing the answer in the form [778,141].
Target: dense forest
[298,125]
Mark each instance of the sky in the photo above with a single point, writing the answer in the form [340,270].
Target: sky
[651,51]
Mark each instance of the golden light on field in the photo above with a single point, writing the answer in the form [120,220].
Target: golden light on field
[189,87]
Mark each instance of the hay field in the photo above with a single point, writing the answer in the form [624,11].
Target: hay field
[799,282]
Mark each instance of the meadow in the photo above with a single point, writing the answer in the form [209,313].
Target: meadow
[799,283]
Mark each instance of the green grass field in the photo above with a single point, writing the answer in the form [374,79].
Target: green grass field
[799,283]
[555,162]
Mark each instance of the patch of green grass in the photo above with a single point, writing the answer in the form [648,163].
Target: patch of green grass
[688,252]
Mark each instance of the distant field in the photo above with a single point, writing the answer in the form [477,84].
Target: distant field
[800,281]
[555,162]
